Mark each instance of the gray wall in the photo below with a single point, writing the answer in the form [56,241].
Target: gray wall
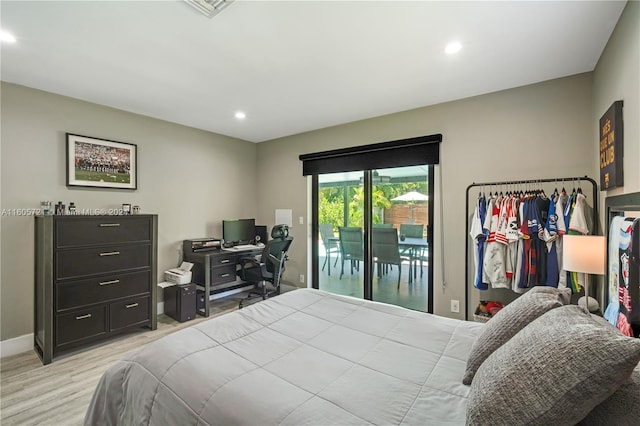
[538,131]
[192,179]
[617,77]
[544,130]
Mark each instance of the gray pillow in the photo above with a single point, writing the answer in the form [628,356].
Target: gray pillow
[554,371]
[622,408]
[511,319]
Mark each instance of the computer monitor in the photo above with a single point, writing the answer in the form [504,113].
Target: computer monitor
[238,231]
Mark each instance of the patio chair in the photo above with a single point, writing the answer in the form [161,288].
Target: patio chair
[331,245]
[386,250]
[351,247]
[416,254]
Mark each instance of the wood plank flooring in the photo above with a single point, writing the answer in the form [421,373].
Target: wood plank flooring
[58,394]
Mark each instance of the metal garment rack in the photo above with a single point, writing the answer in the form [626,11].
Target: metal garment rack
[510,185]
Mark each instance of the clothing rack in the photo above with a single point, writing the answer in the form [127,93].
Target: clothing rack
[508,185]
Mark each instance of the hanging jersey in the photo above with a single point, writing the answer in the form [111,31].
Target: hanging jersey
[578,220]
[478,237]
[561,203]
[628,285]
[616,232]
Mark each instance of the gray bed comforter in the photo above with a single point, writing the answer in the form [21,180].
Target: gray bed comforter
[304,357]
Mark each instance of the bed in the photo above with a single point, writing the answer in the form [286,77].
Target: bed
[308,357]
[304,357]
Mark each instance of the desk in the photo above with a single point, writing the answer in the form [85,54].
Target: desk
[214,272]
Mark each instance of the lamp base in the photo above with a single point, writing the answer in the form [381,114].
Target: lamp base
[592,304]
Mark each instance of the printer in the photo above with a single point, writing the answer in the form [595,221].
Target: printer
[201,244]
[181,275]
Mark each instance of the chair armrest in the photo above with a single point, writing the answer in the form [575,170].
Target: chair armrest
[244,261]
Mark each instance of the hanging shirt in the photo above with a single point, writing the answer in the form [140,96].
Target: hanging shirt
[478,236]
[625,252]
[618,237]
[513,238]
[550,238]
[578,220]
[494,268]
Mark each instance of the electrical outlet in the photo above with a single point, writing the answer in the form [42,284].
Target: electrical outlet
[302,278]
[455,305]
[301,220]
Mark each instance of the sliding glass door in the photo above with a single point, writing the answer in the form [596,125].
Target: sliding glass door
[340,214]
[373,235]
[372,210]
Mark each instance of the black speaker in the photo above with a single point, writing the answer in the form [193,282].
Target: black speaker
[261,231]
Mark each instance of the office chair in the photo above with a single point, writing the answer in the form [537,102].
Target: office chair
[270,266]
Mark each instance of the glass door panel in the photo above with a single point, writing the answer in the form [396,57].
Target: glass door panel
[398,232]
[400,201]
[341,211]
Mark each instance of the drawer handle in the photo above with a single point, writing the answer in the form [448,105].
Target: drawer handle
[225,261]
[108,225]
[81,317]
[110,253]
[133,305]
[109,282]
[224,275]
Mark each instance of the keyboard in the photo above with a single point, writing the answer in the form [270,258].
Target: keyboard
[246,247]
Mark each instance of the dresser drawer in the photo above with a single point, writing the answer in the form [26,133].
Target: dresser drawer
[95,290]
[97,260]
[84,231]
[129,312]
[223,274]
[80,325]
[223,259]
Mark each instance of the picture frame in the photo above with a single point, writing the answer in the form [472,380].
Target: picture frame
[101,163]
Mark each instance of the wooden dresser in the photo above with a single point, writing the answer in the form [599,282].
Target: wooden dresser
[95,277]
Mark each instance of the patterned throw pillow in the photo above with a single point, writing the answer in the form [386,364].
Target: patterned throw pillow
[554,371]
[511,319]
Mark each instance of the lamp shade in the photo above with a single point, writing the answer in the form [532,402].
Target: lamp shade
[584,253]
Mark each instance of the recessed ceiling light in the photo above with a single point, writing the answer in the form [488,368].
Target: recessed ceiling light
[453,47]
[241,115]
[5,36]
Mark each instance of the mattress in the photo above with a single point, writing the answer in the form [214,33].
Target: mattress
[302,358]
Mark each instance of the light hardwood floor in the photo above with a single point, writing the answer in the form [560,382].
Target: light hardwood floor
[59,393]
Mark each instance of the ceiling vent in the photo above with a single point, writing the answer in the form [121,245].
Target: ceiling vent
[209,7]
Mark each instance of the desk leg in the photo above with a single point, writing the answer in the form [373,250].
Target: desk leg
[207,284]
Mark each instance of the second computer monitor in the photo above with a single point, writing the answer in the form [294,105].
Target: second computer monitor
[238,231]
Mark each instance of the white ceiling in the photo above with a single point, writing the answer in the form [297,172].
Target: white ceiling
[294,66]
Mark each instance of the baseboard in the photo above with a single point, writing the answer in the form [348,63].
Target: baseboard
[24,343]
[16,345]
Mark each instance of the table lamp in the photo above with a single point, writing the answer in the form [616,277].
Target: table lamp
[584,253]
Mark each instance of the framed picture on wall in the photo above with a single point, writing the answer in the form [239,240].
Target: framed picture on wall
[101,163]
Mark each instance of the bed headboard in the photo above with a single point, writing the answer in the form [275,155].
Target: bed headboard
[623,269]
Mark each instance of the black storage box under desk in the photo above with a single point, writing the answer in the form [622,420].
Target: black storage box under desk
[180,302]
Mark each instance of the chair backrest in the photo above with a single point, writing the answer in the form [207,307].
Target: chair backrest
[383,225]
[277,248]
[351,244]
[385,245]
[412,231]
[326,232]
